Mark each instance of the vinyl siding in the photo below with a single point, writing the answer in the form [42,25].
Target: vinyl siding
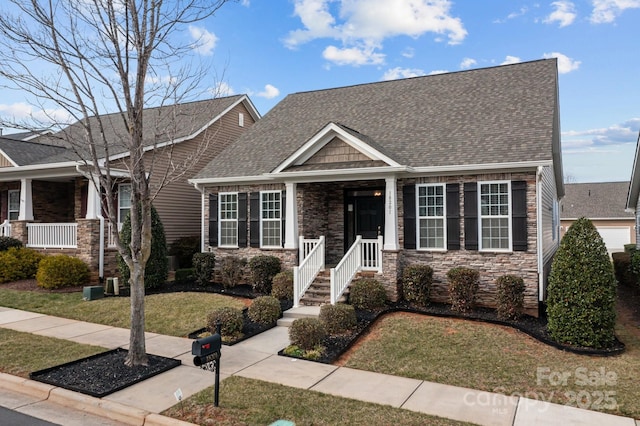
[548,195]
[4,161]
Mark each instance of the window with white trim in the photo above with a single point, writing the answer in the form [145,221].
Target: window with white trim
[495,215]
[431,216]
[270,219]
[14,204]
[228,217]
[124,201]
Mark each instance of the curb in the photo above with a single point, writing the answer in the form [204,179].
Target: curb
[89,404]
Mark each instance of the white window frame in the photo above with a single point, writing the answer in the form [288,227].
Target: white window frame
[222,220]
[263,220]
[508,216]
[443,217]
[9,209]
[240,120]
[120,198]
[555,220]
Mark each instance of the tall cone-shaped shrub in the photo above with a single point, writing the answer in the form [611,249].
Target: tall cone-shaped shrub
[582,290]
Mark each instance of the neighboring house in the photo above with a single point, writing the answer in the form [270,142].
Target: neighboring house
[633,199]
[457,169]
[604,204]
[48,202]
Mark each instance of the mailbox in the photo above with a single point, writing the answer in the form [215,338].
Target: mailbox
[206,349]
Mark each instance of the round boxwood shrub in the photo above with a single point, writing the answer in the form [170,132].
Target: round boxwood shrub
[183,249]
[231,320]
[581,295]
[282,286]
[367,294]
[232,269]
[19,263]
[263,269]
[7,242]
[416,284]
[338,318]
[157,268]
[510,297]
[62,271]
[307,333]
[264,310]
[203,265]
[463,287]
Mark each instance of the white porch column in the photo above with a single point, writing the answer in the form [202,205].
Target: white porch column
[93,200]
[26,200]
[291,231]
[391,215]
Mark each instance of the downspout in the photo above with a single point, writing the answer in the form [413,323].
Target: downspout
[202,223]
[539,247]
[101,238]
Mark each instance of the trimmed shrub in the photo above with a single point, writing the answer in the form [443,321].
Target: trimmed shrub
[581,295]
[416,283]
[185,275]
[19,263]
[367,294]
[510,297]
[231,320]
[463,286]
[263,269]
[203,264]
[157,268]
[307,333]
[62,271]
[183,249]
[7,242]
[232,269]
[634,267]
[264,310]
[282,286]
[630,248]
[623,269]
[338,318]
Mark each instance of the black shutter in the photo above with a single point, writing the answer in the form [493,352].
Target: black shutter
[519,215]
[409,200]
[254,219]
[471,216]
[453,216]
[213,220]
[242,219]
[283,215]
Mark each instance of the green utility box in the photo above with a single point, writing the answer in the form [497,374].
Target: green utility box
[92,292]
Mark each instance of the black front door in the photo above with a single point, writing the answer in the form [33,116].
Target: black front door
[364,215]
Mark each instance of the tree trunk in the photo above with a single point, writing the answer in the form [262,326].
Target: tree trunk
[137,349]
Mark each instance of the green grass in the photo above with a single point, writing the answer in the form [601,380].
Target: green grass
[172,314]
[500,359]
[22,353]
[253,402]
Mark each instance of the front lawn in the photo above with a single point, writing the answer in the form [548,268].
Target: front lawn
[500,359]
[172,314]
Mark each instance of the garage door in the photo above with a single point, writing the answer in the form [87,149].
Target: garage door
[615,237]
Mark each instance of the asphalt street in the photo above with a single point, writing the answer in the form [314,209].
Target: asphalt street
[13,418]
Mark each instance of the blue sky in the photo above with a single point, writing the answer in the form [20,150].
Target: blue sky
[270,48]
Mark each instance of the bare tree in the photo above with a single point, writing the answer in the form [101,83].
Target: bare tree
[91,57]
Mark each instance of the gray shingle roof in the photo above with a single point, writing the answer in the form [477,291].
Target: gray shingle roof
[491,115]
[595,200]
[25,153]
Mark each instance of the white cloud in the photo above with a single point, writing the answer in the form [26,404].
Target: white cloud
[625,132]
[606,11]
[512,15]
[508,60]
[204,41]
[396,73]
[358,23]
[222,89]
[565,63]
[564,13]
[409,52]
[22,112]
[353,56]
[467,63]
[435,72]
[269,92]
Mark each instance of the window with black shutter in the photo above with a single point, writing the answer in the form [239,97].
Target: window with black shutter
[409,199]
[213,220]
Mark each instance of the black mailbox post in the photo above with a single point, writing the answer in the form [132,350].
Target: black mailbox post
[206,352]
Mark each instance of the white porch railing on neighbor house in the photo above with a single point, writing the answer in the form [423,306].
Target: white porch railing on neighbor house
[52,235]
[311,262]
[5,229]
[111,241]
[362,255]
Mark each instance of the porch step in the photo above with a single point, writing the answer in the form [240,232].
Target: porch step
[289,316]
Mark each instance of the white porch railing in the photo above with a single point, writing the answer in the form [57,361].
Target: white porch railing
[111,241]
[362,255]
[311,262]
[5,229]
[52,235]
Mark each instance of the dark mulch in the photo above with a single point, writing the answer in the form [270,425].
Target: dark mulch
[102,374]
[242,290]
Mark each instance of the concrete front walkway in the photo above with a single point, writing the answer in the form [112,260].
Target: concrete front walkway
[257,358]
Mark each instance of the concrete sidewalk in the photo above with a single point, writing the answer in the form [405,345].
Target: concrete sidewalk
[257,358]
